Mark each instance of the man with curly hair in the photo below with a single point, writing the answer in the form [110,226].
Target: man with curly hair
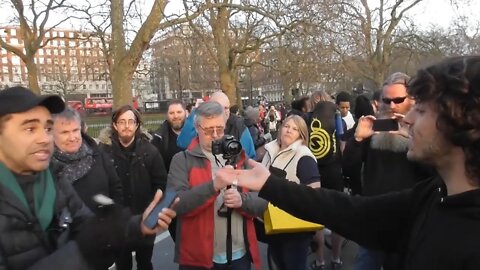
[434,225]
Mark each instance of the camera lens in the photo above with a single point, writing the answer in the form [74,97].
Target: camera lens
[234,148]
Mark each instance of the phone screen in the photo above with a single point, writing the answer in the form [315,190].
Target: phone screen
[385,125]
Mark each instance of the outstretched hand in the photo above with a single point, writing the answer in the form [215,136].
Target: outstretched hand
[252,179]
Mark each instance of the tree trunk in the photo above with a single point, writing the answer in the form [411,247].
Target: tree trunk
[32,75]
[227,83]
[121,86]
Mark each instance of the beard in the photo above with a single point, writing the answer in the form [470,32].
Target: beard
[391,142]
[176,125]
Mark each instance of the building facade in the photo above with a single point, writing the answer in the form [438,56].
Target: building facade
[70,63]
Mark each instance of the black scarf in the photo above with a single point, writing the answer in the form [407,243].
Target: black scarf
[71,167]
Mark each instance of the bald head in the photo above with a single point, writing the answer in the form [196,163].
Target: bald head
[221,98]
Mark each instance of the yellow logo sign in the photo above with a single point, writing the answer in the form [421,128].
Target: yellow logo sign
[320,141]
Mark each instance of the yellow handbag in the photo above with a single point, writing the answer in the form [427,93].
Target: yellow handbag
[278,221]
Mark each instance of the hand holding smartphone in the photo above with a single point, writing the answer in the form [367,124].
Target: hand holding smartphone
[166,202]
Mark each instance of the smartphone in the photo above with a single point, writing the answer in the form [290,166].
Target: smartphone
[385,125]
[166,202]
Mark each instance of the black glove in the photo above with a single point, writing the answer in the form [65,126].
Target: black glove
[103,235]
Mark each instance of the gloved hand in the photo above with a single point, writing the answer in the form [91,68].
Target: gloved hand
[103,235]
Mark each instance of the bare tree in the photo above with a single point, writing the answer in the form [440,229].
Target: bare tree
[237,32]
[126,32]
[34,20]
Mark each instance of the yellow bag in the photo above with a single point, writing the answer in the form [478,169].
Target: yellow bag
[278,221]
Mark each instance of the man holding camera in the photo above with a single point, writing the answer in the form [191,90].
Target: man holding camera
[384,157]
[204,203]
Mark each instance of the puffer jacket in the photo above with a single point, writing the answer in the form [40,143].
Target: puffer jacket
[23,243]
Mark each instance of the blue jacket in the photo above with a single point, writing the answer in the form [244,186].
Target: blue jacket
[235,127]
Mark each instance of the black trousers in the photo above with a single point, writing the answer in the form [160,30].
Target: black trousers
[143,256]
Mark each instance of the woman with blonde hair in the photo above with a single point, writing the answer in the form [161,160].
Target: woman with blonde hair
[288,156]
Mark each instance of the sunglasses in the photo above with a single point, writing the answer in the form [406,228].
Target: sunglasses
[396,100]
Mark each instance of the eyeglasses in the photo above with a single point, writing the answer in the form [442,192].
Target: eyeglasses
[130,122]
[211,130]
[396,100]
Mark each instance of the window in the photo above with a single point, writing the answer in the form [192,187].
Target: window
[13,32]
[13,41]
[49,61]
[70,34]
[4,60]
[62,52]
[40,52]
[40,60]
[15,60]
[71,43]
[62,34]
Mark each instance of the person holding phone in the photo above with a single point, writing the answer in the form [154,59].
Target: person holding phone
[433,225]
[383,155]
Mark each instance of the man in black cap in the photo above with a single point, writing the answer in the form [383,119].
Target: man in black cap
[43,223]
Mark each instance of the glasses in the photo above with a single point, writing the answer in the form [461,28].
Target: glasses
[130,122]
[211,130]
[396,100]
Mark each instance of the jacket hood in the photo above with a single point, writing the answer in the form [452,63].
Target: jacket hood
[105,135]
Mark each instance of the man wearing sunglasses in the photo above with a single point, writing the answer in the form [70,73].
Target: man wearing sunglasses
[201,230]
[383,156]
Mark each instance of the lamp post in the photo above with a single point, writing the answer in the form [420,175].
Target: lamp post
[179,80]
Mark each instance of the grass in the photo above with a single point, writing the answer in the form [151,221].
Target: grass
[98,122]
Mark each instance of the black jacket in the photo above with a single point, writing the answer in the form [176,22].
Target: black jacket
[101,179]
[161,140]
[146,172]
[23,243]
[383,170]
[428,228]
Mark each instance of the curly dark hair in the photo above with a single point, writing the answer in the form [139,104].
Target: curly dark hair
[453,88]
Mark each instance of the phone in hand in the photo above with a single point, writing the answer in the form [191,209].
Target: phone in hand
[166,202]
[385,125]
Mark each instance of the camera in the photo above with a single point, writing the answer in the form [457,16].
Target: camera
[227,146]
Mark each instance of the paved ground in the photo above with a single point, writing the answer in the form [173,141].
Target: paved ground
[164,248]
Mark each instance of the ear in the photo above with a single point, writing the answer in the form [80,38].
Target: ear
[115,126]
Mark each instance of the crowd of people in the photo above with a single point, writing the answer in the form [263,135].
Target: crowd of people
[409,195]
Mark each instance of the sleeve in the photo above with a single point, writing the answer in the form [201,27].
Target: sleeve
[192,199]
[158,173]
[307,170]
[68,257]
[247,143]
[115,188]
[354,153]
[380,222]
[188,132]
[252,204]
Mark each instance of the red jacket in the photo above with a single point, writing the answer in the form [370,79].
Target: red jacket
[195,229]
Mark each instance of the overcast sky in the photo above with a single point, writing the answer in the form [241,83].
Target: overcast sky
[428,12]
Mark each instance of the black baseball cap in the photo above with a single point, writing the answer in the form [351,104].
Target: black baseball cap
[20,99]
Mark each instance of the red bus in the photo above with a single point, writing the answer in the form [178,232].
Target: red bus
[103,104]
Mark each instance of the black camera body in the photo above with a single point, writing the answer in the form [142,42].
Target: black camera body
[227,146]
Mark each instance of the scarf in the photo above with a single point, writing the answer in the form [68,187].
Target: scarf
[71,167]
[43,193]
